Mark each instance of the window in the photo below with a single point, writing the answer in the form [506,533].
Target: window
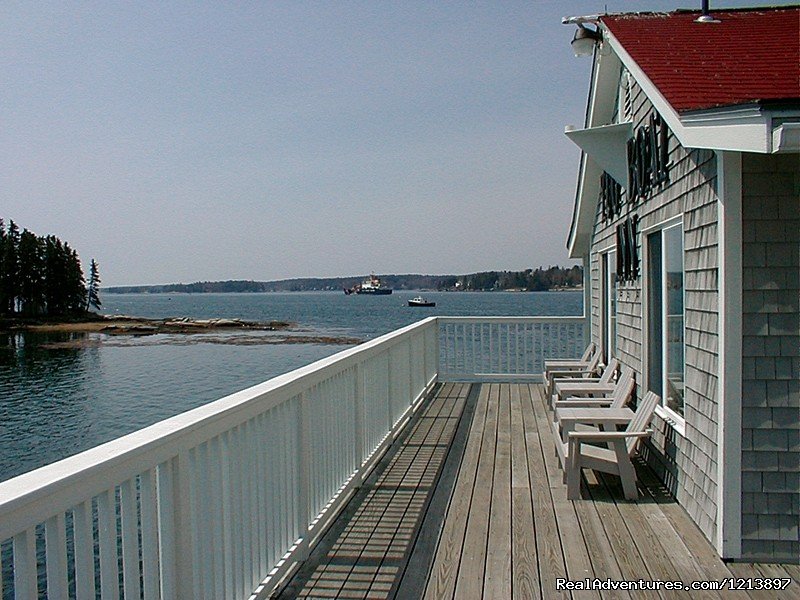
[665,330]
[609,304]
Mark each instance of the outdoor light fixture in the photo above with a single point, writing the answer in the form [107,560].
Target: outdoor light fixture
[584,41]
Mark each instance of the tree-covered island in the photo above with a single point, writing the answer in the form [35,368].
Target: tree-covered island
[41,277]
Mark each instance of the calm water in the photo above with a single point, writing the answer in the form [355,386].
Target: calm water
[55,402]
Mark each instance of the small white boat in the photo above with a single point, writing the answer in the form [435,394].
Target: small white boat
[420,301]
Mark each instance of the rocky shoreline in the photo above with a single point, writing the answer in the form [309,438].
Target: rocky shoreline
[127,325]
[122,331]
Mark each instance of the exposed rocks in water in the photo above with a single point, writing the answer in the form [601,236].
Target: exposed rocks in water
[137,326]
[123,331]
[234,339]
[127,325]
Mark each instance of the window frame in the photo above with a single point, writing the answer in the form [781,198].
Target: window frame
[675,419]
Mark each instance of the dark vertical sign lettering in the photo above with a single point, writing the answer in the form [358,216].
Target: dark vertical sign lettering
[648,159]
[627,250]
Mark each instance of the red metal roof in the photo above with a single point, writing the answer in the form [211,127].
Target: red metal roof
[751,56]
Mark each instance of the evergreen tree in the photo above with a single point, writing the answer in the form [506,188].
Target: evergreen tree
[76,283]
[93,293]
[31,274]
[9,270]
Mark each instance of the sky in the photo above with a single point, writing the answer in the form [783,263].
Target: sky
[194,141]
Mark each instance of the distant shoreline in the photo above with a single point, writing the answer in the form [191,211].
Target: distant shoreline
[538,280]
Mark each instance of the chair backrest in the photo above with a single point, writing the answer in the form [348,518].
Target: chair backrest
[623,391]
[591,368]
[609,371]
[641,418]
[588,352]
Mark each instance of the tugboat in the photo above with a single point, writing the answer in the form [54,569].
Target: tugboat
[370,286]
[420,301]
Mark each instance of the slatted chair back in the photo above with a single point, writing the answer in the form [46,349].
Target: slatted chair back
[588,352]
[609,372]
[593,365]
[641,418]
[623,391]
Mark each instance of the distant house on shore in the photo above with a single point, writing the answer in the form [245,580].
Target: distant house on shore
[687,217]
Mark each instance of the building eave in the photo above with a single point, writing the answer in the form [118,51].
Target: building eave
[740,128]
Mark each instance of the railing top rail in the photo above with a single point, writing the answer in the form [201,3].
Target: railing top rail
[512,320]
[88,471]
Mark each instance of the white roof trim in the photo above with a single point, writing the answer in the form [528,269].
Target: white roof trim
[786,138]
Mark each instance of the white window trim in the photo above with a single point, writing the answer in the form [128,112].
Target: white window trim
[676,421]
[605,301]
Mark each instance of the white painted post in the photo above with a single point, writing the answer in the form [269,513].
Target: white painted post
[149,535]
[130,540]
[107,529]
[56,552]
[84,550]
[729,436]
[359,417]
[304,471]
[183,535]
[25,565]
[177,580]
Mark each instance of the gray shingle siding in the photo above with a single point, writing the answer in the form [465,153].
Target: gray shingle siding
[688,465]
[770,357]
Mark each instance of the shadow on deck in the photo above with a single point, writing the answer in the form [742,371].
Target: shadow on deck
[469,503]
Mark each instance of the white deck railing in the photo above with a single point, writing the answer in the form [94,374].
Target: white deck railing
[505,348]
[219,501]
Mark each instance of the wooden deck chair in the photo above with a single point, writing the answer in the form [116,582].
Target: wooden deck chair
[565,364]
[579,453]
[584,372]
[619,396]
[563,388]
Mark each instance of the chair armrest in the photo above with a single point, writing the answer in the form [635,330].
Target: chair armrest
[606,436]
[573,402]
[587,385]
[566,363]
[569,375]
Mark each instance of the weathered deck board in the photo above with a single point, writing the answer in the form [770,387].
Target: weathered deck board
[525,574]
[508,530]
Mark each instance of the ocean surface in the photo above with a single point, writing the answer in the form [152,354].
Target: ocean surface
[58,399]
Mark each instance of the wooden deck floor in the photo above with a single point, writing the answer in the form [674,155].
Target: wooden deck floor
[471,504]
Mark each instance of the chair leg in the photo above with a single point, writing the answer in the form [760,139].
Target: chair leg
[627,473]
[572,474]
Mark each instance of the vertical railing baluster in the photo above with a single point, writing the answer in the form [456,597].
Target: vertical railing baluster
[217,494]
[203,520]
[25,565]
[247,529]
[130,539]
[272,486]
[107,531]
[304,464]
[84,550]
[149,535]
[236,509]
[226,549]
[56,553]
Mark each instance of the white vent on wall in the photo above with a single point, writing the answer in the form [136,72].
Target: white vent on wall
[626,110]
